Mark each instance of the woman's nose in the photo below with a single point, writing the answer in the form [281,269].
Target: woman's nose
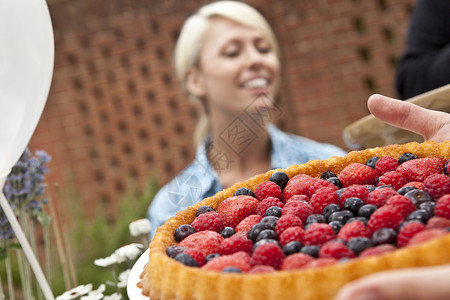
[254,58]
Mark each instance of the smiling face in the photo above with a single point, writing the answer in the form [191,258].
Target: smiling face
[237,63]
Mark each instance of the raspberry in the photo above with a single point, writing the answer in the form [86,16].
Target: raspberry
[356,173]
[377,250]
[298,208]
[268,254]
[318,234]
[386,164]
[437,185]
[408,231]
[266,203]
[268,189]
[438,222]
[320,262]
[401,204]
[261,269]
[246,224]
[207,241]
[392,178]
[384,217]
[234,244]
[296,261]
[197,255]
[234,209]
[291,234]
[286,221]
[358,191]
[335,250]
[298,185]
[379,196]
[442,208]
[323,197]
[318,184]
[240,260]
[420,168]
[353,229]
[208,221]
[426,235]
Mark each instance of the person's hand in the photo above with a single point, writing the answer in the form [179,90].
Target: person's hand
[432,125]
[430,283]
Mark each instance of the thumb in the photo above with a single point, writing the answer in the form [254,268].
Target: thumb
[429,283]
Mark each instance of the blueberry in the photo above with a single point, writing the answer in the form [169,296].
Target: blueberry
[203,209]
[255,230]
[327,174]
[230,269]
[336,225]
[329,209]
[418,196]
[292,247]
[340,191]
[311,250]
[446,170]
[359,244]
[183,232]
[211,256]
[227,232]
[371,162]
[420,215]
[370,187]
[407,222]
[280,178]
[366,210]
[428,206]
[341,216]
[269,222]
[384,186]
[405,189]
[186,259]
[315,218]
[353,204]
[244,191]
[267,234]
[406,156]
[273,211]
[384,236]
[172,251]
[361,219]
[265,241]
[335,181]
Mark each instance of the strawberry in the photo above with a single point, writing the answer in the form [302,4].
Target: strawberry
[240,260]
[207,241]
[248,222]
[234,209]
[420,168]
[356,173]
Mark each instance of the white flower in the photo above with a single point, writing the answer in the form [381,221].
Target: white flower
[128,252]
[114,296]
[107,261]
[76,292]
[96,294]
[123,278]
[140,227]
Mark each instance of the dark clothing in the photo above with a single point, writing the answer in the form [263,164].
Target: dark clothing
[425,64]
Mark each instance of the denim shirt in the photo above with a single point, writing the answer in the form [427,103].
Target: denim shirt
[200,179]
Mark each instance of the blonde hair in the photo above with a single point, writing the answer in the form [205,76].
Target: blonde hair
[190,41]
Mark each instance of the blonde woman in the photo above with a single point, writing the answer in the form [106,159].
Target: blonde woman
[227,58]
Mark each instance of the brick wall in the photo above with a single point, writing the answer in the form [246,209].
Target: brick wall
[115,112]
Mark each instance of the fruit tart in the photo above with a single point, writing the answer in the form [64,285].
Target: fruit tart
[305,231]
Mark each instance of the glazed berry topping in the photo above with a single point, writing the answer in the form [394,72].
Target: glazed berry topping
[280,178]
[406,156]
[183,231]
[204,209]
[244,191]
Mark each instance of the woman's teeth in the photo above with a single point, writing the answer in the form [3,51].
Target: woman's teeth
[256,83]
